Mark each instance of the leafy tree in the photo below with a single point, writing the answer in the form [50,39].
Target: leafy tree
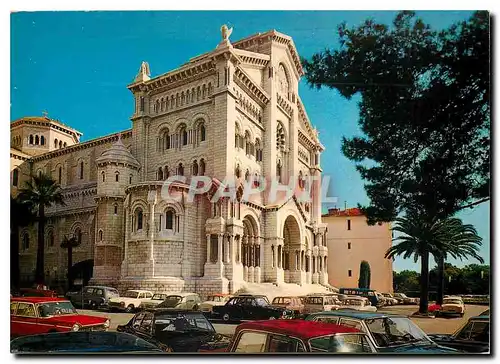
[364,275]
[424,113]
[41,192]
[21,215]
[406,281]
[461,241]
[69,244]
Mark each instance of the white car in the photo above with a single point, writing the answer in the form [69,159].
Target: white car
[154,301]
[452,305]
[214,300]
[130,301]
[358,304]
[390,299]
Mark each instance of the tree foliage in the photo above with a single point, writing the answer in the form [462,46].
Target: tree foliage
[40,193]
[364,275]
[424,111]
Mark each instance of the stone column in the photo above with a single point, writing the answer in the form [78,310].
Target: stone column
[251,260]
[232,252]
[245,258]
[219,248]
[258,256]
[151,232]
[227,258]
[208,248]
[240,240]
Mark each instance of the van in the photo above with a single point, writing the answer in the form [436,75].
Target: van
[320,303]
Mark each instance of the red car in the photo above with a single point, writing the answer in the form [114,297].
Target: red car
[38,315]
[293,336]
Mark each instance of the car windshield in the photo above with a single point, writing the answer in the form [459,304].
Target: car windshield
[451,302]
[170,301]
[56,309]
[350,343]
[168,322]
[159,296]
[393,331]
[282,300]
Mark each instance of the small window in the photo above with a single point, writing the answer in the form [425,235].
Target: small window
[130,180]
[139,219]
[15,177]
[348,224]
[89,290]
[348,245]
[59,177]
[350,323]
[13,308]
[115,207]
[480,332]
[31,139]
[100,235]
[99,292]
[169,220]
[42,140]
[81,170]
[327,319]
[202,133]
[349,273]
[251,342]
[137,320]
[103,176]
[25,309]
[117,176]
[146,323]
[281,344]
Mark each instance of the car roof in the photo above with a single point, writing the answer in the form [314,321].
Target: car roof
[298,328]
[38,299]
[285,297]
[102,287]
[356,314]
[218,294]
[159,311]
[481,317]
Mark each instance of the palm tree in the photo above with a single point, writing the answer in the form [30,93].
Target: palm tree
[21,214]
[421,236]
[69,244]
[461,242]
[41,192]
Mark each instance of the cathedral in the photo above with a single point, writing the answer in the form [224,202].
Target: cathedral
[232,113]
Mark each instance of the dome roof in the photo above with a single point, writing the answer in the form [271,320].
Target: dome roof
[118,153]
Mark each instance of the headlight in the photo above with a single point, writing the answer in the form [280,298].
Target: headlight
[75,327]
[106,324]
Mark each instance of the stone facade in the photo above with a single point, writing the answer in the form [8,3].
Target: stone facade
[353,241]
[231,114]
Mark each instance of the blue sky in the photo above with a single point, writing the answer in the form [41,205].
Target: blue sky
[76,65]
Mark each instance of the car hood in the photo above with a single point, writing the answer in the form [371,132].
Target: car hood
[213,303]
[70,320]
[425,349]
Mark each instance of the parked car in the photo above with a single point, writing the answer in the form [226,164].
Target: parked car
[174,330]
[404,299]
[34,292]
[473,337]
[357,304]
[38,315]
[452,305]
[250,307]
[181,301]
[218,299]
[370,294]
[319,303]
[388,333]
[129,301]
[292,336]
[381,300]
[390,299]
[153,301]
[291,303]
[81,343]
[93,297]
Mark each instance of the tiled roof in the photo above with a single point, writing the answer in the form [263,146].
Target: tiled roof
[347,212]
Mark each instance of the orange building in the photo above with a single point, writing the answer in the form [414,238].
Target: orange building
[350,241]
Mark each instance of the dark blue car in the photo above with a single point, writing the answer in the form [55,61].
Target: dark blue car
[388,333]
[79,342]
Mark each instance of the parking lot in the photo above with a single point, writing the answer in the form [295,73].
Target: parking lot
[431,326]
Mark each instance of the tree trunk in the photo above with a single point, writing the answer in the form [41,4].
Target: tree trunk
[40,270]
[70,264]
[424,283]
[440,283]
[14,256]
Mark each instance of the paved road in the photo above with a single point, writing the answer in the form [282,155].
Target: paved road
[430,326]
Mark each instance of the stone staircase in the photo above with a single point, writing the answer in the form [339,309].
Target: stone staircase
[272,290]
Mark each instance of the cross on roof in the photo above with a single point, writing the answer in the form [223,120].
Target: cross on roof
[45,113]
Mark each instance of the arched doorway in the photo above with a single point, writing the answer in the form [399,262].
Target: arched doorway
[291,252]
[250,250]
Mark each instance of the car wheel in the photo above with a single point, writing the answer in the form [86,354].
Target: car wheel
[129,308]
[93,305]
[226,317]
